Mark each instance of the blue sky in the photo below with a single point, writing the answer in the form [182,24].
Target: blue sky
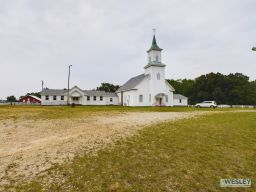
[106,41]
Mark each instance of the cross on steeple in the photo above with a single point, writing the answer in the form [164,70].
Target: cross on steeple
[154,31]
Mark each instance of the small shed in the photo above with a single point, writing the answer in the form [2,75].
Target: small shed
[180,100]
[30,99]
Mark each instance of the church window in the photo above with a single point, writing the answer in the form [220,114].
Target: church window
[180,100]
[62,97]
[149,59]
[88,98]
[156,58]
[141,98]
[55,97]
[158,76]
[166,98]
[111,99]
[46,97]
[94,98]
[101,98]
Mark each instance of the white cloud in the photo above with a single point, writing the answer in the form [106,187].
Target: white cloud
[106,41]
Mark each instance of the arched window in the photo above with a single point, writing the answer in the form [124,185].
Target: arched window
[158,76]
[156,58]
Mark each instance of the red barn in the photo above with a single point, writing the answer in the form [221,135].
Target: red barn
[30,99]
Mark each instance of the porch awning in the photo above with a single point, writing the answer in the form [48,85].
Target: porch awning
[160,95]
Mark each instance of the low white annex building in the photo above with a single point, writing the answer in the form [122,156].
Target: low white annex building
[180,100]
[147,89]
[78,97]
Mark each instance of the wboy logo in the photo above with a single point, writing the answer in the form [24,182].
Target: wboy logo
[235,183]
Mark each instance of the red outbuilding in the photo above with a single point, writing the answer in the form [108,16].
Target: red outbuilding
[30,99]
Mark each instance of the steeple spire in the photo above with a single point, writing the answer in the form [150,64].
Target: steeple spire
[154,45]
[154,54]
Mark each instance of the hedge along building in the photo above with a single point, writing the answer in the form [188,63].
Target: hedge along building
[148,89]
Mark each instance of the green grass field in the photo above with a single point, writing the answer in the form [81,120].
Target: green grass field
[59,112]
[185,155]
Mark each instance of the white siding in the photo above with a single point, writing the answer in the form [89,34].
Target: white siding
[58,100]
[142,89]
[184,102]
[105,101]
[128,98]
[82,100]
[131,98]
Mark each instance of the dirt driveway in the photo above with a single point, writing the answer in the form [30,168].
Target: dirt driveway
[29,147]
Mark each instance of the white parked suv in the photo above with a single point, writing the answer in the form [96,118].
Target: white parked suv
[211,104]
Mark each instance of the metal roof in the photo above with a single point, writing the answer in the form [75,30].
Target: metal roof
[154,45]
[99,93]
[35,97]
[131,83]
[86,92]
[179,96]
[47,91]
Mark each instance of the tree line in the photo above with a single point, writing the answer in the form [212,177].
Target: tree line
[232,89]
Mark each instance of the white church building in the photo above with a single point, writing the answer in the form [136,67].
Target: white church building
[147,89]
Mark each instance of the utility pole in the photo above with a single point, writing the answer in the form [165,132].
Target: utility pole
[68,82]
[42,85]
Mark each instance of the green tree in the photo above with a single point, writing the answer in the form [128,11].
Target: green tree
[224,89]
[11,98]
[182,86]
[107,87]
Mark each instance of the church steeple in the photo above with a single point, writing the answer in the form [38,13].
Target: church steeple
[154,53]
[154,45]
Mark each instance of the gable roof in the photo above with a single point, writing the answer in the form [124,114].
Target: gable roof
[99,93]
[172,88]
[131,83]
[179,96]
[35,97]
[47,91]
[86,92]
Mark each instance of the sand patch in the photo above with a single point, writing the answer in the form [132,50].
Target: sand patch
[29,147]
